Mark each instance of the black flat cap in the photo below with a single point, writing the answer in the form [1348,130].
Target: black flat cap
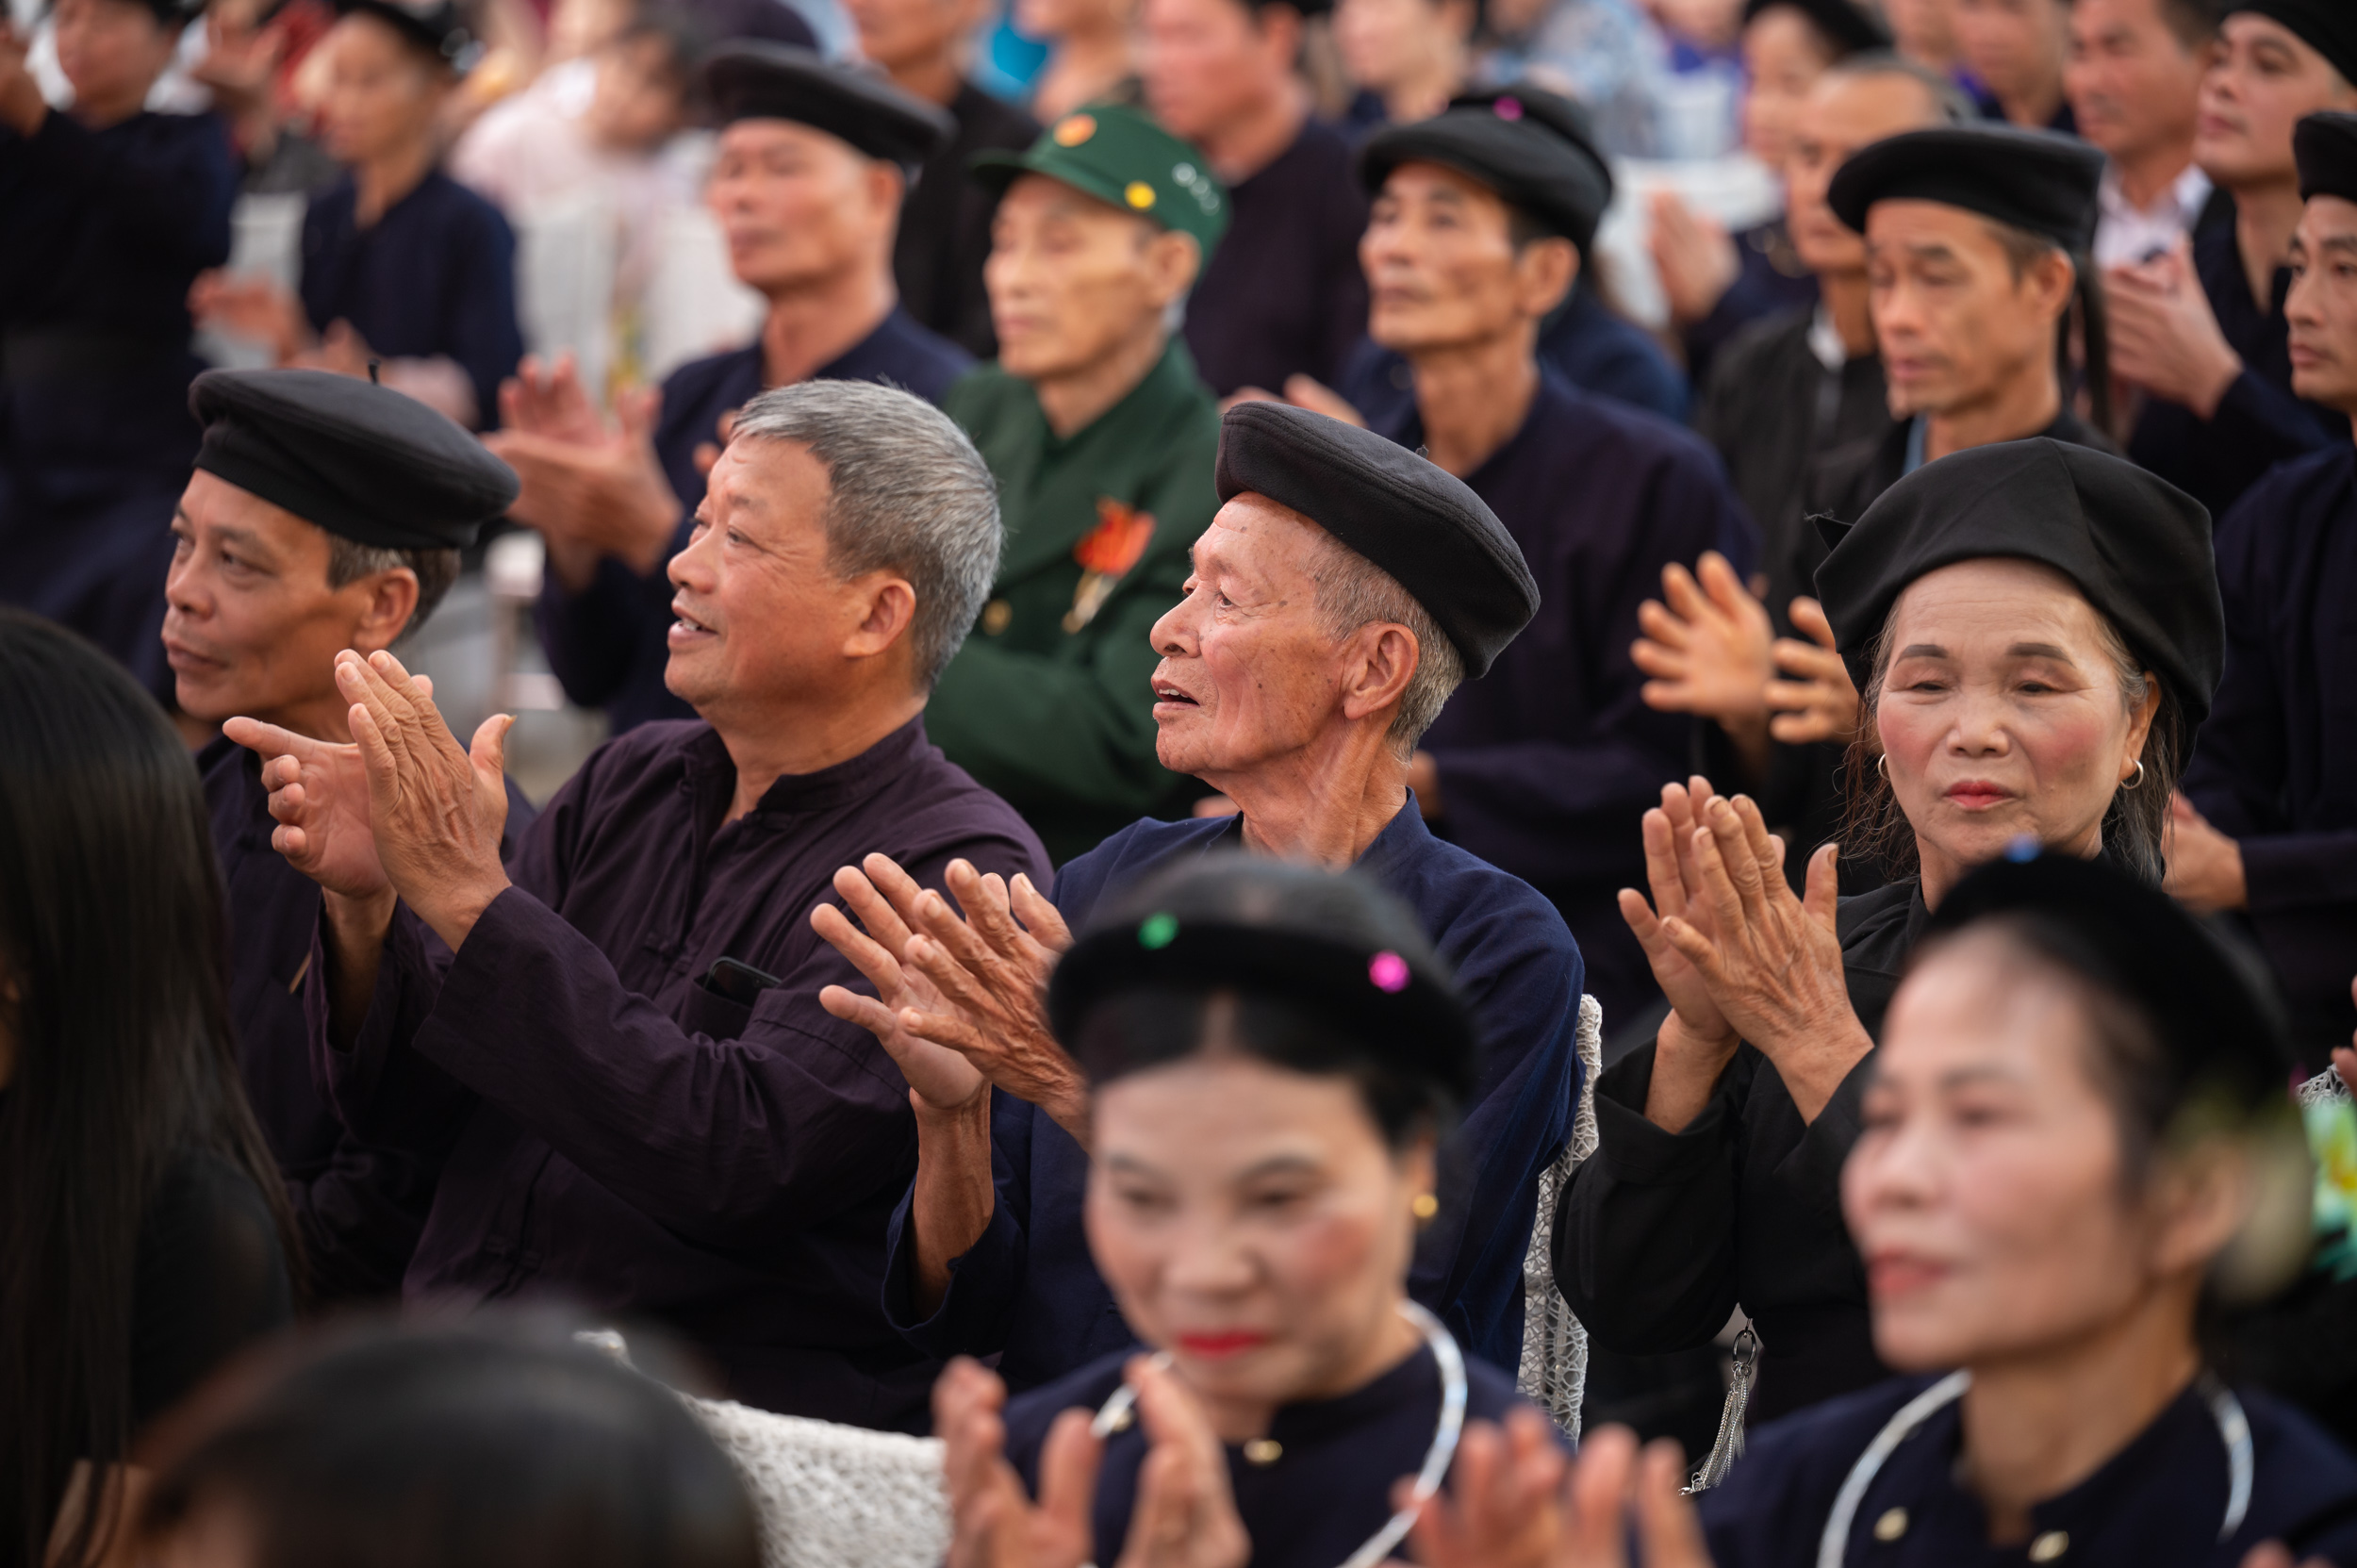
[1416,522]
[2215,1013]
[436,27]
[2327,27]
[1336,946]
[357,459]
[2032,180]
[1527,144]
[2326,148]
[759,80]
[2136,545]
[1852,29]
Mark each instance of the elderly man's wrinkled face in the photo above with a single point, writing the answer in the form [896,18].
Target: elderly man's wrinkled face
[762,618]
[1959,324]
[799,207]
[1248,674]
[1443,268]
[1073,280]
[251,625]
[2001,713]
[2322,306]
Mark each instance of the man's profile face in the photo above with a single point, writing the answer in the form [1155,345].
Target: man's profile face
[799,207]
[1954,324]
[2013,45]
[761,613]
[1071,278]
[1841,115]
[2322,305]
[1442,264]
[1204,64]
[250,624]
[2132,81]
[1248,676]
[2262,79]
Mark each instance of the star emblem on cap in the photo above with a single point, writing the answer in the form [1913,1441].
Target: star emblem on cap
[1074,129]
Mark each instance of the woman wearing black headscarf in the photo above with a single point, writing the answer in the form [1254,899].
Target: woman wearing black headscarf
[2035,629]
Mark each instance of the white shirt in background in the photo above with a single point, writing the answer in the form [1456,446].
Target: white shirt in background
[2125,234]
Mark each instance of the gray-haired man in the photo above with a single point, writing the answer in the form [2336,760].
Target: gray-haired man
[618,1037]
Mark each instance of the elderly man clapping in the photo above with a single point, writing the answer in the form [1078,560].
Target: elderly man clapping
[646,1111]
[1343,591]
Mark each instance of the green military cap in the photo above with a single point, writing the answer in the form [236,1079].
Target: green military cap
[1115,154]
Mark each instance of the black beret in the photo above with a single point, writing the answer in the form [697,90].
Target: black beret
[759,80]
[1527,144]
[2032,180]
[356,459]
[2137,547]
[2216,1014]
[436,27]
[1852,28]
[1337,946]
[2327,27]
[2326,148]
[1422,524]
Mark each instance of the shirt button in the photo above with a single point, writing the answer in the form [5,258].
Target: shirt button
[1891,1525]
[1263,1450]
[995,616]
[2047,1547]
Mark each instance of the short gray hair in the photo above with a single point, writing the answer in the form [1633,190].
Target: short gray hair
[907,492]
[1353,591]
[349,560]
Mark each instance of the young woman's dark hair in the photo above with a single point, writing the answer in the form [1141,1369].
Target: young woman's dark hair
[1329,974]
[131,1163]
[495,1444]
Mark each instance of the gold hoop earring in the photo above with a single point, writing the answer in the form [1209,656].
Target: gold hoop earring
[1424,1206]
[2139,783]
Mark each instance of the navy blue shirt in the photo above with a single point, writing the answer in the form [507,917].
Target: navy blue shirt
[606,643]
[2275,767]
[1549,762]
[100,234]
[1583,342]
[2158,1503]
[2258,423]
[358,1206]
[434,276]
[1028,1288]
[1770,280]
[1326,1492]
[625,1139]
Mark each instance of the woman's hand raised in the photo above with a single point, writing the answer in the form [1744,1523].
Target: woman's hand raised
[1512,1504]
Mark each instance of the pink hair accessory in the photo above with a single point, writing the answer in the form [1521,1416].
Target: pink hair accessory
[1389,971]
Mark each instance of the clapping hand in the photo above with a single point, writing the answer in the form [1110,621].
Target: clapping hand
[1695,258]
[592,489]
[2164,335]
[1813,697]
[1514,1504]
[988,972]
[318,796]
[1706,650]
[252,307]
[943,1079]
[2205,869]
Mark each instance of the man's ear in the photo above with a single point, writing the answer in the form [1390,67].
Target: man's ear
[1383,659]
[1544,272]
[886,186]
[2051,280]
[1174,261]
[392,598]
[887,609]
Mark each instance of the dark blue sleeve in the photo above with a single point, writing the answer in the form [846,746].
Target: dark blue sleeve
[483,334]
[2258,425]
[988,1280]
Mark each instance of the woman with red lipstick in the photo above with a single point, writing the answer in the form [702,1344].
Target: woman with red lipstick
[2036,628]
[1273,1054]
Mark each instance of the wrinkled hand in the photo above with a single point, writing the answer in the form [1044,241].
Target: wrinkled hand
[592,489]
[436,810]
[1706,650]
[943,1079]
[1770,962]
[253,307]
[2205,872]
[2164,335]
[1675,876]
[1814,698]
[318,796]
[1694,256]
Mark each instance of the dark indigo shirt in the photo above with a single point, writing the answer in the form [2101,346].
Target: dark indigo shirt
[358,1206]
[2258,423]
[1324,1494]
[1028,1288]
[2275,767]
[1583,342]
[1660,1235]
[1282,295]
[1548,763]
[100,234]
[1770,279]
[944,237]
[2158,1503]
[434,276]
[606,643]
[625,1139]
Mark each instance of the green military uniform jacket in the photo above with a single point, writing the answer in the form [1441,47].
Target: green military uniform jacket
[1048,701]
